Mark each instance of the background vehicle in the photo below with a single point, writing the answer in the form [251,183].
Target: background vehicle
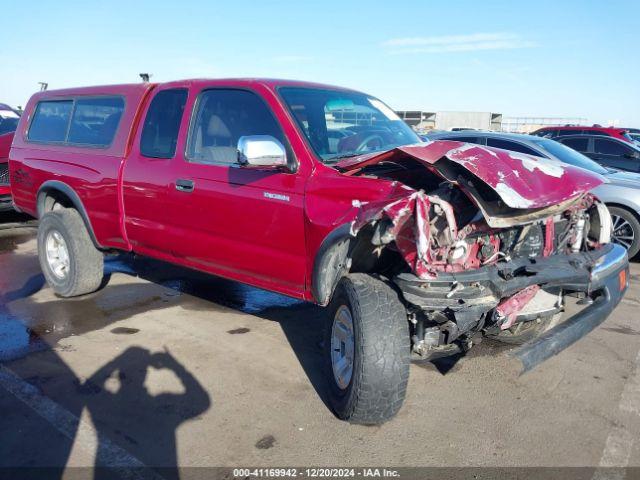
[634,133]
[322,194]
[609,152]
[553,132]
[620,192]
[8,123]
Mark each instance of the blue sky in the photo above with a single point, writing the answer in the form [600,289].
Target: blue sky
[552,58]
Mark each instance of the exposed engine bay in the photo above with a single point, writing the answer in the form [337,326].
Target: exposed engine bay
[482,249]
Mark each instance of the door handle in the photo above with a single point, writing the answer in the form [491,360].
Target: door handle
[184,185]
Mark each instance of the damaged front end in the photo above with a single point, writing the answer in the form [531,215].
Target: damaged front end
[490,240]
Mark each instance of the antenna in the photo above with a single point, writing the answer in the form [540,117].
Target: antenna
[43,86]
[145,77]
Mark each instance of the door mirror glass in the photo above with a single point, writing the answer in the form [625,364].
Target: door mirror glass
[261,151]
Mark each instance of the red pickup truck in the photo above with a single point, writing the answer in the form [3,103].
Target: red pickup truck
[323,194]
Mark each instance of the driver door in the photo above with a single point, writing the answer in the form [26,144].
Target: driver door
[244,223]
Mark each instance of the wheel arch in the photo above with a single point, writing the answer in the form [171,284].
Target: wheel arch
[634,253]
[331,263]
[628,208]
[55,191]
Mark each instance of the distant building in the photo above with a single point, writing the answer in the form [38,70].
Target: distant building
[423,121]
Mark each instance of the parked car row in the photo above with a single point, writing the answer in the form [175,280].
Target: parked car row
[607,151]
[553,132]
[326,195]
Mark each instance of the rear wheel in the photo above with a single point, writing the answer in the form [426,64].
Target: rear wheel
[626,230]
[69,260]
[367,350]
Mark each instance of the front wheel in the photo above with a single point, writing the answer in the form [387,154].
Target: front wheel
[69,260]
[367,350]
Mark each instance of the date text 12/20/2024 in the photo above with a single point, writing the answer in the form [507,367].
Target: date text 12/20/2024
[314,472]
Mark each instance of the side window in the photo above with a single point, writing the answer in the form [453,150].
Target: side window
[162,124]
[609,147]
[222,117]
[50,121]
[464,139]
[95,121]
[513,146]
[579,144]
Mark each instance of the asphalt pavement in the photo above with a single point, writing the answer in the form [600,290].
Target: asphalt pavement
[166,367]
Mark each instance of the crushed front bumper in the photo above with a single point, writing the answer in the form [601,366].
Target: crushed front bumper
[600,274]
[609,279]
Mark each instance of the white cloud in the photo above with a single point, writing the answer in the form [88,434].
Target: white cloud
[457,43]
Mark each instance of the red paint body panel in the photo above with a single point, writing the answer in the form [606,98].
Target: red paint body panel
[91,172]
[520,180]
[227,225]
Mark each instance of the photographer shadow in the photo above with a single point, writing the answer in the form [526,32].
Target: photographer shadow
[123,409]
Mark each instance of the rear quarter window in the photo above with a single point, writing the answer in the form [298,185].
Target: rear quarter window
[162,124]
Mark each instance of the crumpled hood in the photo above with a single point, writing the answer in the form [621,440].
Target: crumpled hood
[624,179]
[521,181]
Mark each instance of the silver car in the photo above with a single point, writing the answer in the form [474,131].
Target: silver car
[621,190]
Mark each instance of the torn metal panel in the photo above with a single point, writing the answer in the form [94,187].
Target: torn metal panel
[520,181]
[507,311]
[407,217]
[501,189]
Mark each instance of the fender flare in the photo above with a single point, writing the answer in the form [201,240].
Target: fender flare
[67,191]
[331,263]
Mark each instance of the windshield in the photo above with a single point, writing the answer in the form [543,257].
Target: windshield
[8,121]
[341,124]
[569,155]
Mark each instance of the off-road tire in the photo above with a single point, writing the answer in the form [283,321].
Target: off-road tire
[525,331]
[86,262]
[625,214]
[381,351]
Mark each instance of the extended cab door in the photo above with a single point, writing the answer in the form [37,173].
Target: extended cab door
[244,223]
[148,172]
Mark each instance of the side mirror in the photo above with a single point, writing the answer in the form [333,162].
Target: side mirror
[632,155]
[261,151]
